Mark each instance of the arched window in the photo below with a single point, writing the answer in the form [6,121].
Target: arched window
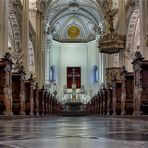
[51,73]
[95,74]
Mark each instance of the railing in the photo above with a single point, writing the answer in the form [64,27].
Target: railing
[79,98]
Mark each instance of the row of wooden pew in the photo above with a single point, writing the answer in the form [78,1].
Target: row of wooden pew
[19,96]
[125,96]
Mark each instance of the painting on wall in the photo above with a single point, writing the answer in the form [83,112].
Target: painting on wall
[73,76]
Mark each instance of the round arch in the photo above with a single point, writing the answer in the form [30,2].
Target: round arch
[133,31]
[132,38]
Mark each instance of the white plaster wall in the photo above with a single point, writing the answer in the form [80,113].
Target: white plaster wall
[73,55]
[84,55]
[55,58]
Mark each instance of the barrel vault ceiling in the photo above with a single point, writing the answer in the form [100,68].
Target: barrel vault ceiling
[74,20]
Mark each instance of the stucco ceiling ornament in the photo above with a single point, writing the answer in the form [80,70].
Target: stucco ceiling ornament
[111,42]
[85,14]
[73,32]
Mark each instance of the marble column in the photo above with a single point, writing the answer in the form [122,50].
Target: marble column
[4,9]
[144,27]
[25,33]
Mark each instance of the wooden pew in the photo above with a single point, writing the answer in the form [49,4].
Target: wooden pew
[101,102]
[58,108]
[18,92]
[140,67]
[104,100]
[93,105]
[41,101]
[6,85]
[53,105]
[45,102]
[116,87]
[97,104]
[29,104]
[50,96]
[127,92]
[48,103]
[109,100]
[88,108]
[36,100]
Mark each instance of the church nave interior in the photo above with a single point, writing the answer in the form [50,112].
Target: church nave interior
[74,63]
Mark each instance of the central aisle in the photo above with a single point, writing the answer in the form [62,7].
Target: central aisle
[73,132]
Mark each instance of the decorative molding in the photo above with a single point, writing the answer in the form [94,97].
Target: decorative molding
[32,7]
[15,26]
[131,31]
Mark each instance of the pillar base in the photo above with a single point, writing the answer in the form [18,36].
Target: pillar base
[137,113]
[22,113]
[123,113]
[8,113]
[115,113]
[31,113]
[108,114]
[37,114]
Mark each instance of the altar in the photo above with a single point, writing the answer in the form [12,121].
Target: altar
[74,109]
[74,105]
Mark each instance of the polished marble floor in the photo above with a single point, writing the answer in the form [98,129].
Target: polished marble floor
[73,132]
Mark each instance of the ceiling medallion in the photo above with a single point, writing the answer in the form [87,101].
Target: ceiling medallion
[73,32]
[111,42]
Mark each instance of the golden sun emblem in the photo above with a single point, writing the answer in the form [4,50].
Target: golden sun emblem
[73,32]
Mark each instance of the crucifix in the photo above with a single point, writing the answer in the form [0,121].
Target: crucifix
[73,75]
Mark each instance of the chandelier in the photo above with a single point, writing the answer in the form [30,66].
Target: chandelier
[111,42]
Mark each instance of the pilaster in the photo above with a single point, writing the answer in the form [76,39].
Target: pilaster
[144,27]
[39,54]
[25,33]
[4,8]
